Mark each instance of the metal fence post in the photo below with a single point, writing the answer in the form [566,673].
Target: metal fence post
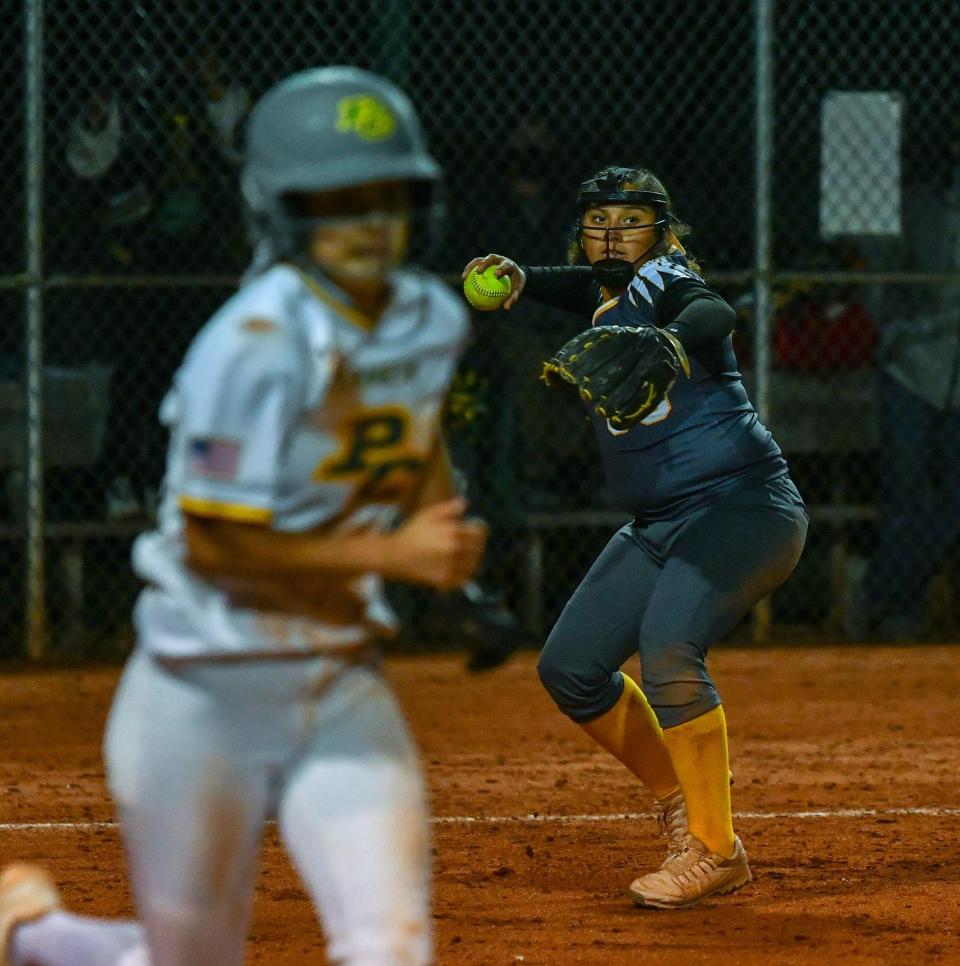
[36,615]
[762,295]
[391,26]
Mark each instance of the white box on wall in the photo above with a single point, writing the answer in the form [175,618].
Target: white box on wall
[860,179]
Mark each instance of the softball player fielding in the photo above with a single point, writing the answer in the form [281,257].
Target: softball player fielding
[718,523]
[303,421]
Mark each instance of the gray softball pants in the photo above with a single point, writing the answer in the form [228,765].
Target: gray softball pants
[669,590]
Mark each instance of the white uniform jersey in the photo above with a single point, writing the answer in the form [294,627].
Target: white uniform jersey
[292,411]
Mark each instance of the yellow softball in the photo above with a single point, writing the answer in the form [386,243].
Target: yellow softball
[484,291]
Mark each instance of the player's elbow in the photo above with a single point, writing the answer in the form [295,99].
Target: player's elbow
[716,319]
[729,316]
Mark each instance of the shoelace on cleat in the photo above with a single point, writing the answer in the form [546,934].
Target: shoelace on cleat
[672,823]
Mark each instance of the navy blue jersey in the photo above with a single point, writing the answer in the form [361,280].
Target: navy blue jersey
[704,439]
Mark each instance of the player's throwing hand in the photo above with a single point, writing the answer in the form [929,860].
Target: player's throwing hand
[505,266]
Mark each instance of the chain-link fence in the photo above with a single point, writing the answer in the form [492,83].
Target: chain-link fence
[813,146]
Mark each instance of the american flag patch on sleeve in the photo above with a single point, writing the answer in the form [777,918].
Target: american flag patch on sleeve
[210,456]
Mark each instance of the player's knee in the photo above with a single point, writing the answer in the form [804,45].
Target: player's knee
[676,682]
[581,692]
[676,702]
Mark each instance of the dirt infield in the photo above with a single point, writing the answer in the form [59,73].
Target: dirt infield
[847,765]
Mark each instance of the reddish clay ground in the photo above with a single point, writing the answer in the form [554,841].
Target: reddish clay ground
[812,729]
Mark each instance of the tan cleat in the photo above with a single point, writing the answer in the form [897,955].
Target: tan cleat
[691,875]
[671,813]
[26,893]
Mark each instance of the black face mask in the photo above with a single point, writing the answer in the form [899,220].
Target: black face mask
[613,274]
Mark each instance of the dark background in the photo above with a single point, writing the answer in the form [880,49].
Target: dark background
[520,101]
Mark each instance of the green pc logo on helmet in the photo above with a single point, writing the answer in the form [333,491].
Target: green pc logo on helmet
[367,117]
[323,130]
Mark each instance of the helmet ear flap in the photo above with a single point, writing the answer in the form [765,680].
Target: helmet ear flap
[267,229]
[251,192]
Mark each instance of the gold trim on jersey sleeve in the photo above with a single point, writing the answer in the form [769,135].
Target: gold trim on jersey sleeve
[237,512]
[604,308]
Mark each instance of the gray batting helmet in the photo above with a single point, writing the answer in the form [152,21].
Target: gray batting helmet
[332,127]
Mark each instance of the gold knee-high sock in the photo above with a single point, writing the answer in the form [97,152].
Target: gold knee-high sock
[631,733]
[699,753]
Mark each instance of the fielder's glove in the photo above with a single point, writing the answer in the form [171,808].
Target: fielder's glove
[624,372]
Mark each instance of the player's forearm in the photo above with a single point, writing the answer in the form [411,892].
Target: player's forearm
[568,287]
[221,550]
[437,483]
